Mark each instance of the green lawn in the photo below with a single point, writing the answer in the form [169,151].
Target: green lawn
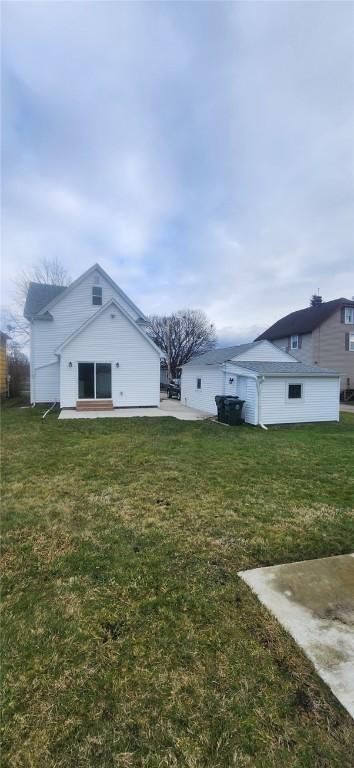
[128,638]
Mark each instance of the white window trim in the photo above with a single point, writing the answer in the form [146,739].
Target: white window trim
[94,363]
[351,342]
[294,399]
[100,288]
[295,336]
[349,312]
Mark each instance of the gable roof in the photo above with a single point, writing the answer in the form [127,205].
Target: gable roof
[290,369]
[38,296]
[304,320]
[94,317]
[220,355]
[96,268]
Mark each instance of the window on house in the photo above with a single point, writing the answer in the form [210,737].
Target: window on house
[199,383]
[294,391]
[294,342]
[351,342]
[96,294]
[349,315]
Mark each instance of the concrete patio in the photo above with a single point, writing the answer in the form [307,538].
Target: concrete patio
[167,407]
[314,601]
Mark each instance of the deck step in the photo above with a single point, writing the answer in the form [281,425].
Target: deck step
[94,405]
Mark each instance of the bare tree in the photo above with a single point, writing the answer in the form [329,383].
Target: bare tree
[181,336]
[44,271]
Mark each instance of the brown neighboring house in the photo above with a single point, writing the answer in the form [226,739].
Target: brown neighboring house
[3,364]
[322,335]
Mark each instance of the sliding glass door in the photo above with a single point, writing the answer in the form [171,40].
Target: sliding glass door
[86,381]
[103,380]
[95,381]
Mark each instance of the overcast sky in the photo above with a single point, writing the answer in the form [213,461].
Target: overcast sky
[202,153]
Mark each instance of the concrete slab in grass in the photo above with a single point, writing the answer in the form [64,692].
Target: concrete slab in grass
[314,601]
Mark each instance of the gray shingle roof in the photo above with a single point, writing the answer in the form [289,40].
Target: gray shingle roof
[304,320]
[290,369]
[38,296]
[220,355]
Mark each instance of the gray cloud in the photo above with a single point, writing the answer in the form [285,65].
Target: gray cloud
[203,153]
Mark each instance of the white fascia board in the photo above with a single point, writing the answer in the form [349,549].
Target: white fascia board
[299,375]
[239,371]
[92,318]
[94,268]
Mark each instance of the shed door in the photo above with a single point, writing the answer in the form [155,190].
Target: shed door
[242,387]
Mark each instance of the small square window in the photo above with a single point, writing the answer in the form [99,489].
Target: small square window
[294,342]
[199,383]
[294,391]
[351,342]
[97,295]
[349,315]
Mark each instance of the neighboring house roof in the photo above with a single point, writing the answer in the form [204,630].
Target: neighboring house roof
[290,369]
[94,317]
[38,296]
[304,320]
[220,355]
[97,268]
[3,337]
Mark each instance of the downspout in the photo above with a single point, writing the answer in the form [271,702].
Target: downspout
[32,368]
[49,410]
[260,380]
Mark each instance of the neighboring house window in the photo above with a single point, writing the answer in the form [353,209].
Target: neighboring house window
[294,391]
[199,383]
[294,342]
[349,315]
[96,294]
[351,342]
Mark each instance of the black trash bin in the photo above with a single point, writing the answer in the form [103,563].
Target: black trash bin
[234,411]
[220,404]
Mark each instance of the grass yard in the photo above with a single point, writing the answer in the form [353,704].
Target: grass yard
[127,637]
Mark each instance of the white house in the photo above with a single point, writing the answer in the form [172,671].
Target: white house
[89,345]
[276,387]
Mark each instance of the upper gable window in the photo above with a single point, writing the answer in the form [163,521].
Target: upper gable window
[97,294]
[349,315]
[294,342]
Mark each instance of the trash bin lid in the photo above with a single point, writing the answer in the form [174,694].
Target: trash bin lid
[220,398]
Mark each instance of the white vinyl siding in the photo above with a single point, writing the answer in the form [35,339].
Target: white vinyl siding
[212,384]
[319,402]
[69,313]
[46,383]
[216,381]
[245,387]
[112,338]
[265,351]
